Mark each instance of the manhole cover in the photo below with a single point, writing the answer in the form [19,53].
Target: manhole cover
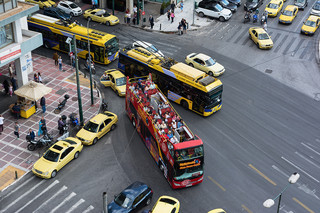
[74,98]
[268,71]
[60,92]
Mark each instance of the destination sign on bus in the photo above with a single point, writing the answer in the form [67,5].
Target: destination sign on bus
[195,162]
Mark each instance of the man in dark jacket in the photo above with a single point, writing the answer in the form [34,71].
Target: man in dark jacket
[43,104]
[173,5]
[151,20]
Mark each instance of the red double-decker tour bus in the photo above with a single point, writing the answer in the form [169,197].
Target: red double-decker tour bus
[177,151]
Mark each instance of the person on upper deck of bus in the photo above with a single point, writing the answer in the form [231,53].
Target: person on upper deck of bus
[166,115]
[157,125]
[152,85]
[170,135]
[166,105]
[180,123]
[157,116]
[163,125]
[174,124]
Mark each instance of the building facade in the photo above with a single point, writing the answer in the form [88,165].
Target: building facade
[16,41]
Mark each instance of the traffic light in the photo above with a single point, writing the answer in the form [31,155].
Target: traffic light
[195,5]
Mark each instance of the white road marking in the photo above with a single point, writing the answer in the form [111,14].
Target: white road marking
[53,197]
[310,148]
[16,189]
[88,209]
[300,155]
[108,141]
[36,197]
[22,196]
[63,202]
[300,169]
[75,205]
[276,168]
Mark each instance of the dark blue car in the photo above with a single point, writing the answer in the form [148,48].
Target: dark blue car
[56,13]
[131,199]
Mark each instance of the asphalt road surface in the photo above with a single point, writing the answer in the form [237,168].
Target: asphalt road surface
[267,129]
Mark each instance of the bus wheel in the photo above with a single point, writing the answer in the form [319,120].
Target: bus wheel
[185,104]
[191,64]
[107,23]
[46,45]
[133,122]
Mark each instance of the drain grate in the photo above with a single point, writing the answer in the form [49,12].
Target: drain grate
[74,98]
[268,71]
[60,92]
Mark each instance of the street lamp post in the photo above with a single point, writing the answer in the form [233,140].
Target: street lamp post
[270,202]
[91,89]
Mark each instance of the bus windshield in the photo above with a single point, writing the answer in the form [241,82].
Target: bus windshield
[181,174]
[112,46]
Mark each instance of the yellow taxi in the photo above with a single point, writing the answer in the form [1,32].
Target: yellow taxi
[311,25]
[205,63]
[166,204]
[289,13]
[274,7]
[56,157]
[97,127]
[260,37]
[217,211]
[43,4]
[101,16]
[116,80]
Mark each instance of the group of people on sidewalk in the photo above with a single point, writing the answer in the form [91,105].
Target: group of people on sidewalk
[57,60]
[11,85]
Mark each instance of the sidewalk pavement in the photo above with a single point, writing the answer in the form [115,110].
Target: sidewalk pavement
[14,156]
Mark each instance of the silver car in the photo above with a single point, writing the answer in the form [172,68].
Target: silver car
[70,8]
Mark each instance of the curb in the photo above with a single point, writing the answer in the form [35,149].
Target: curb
[159,31]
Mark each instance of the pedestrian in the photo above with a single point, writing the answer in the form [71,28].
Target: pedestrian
[128,15]
[172,16]
[42,127]
[35,77]
[39,77]
[134,18]
[16,129]
[10,89]
[10,71]
[265,26]
[60,126]
[55,58]
[31,135]
[180,28]
[184,25]
[73,59]
[93,4]
[265,14]
[5,85]
[60,63]
[181,6]
[1,123]
[14,83]
[151,20]
[43,104]
[169,15]
[173,5]
[135,10]
[16,110]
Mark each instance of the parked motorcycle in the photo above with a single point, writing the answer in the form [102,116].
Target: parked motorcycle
[254,18]
[73,120]
[46,140]
[247,17]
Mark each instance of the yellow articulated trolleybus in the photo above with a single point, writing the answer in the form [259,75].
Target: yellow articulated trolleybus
[104,47]
[185,85]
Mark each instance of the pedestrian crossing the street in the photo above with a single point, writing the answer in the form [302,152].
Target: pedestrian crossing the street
[37,196]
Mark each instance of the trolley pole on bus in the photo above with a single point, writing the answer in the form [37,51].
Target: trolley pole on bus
[91,88]
[78,81]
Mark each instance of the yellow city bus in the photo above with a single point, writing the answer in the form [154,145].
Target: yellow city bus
[185,85]
[104,47]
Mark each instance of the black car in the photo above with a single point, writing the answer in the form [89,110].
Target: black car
[131,199]
[301,4]
[252,5]
[56,13]
[228,5]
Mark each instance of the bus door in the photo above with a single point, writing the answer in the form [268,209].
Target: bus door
[63,46]
[98,53]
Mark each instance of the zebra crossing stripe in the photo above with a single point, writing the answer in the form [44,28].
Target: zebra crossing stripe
[63,202]
[53,197]
[75,205]
[36,197]
[22,196]
[16,189]
[88,209]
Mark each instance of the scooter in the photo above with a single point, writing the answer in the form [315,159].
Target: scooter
[73,120]
[46,140]
[247,18]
